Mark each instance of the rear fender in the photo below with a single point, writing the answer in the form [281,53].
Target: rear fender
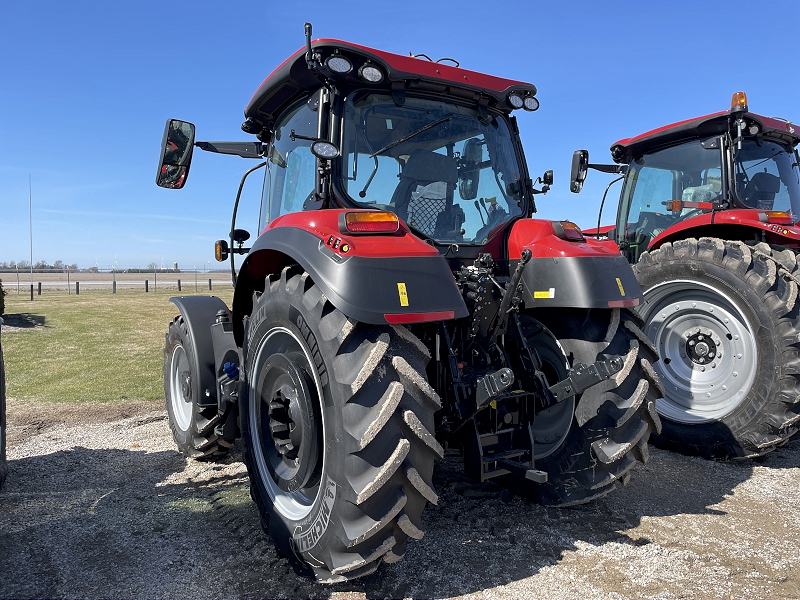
[564,273]
[376,279]
[200,315]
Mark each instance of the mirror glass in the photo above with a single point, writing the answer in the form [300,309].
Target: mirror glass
[176,154]
[469,172]
[580,162]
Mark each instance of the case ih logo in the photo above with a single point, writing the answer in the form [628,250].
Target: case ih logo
[306,540]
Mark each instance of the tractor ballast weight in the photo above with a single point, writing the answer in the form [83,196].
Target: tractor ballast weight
[399,301]
[708,215]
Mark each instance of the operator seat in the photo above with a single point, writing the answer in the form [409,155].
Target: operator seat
[423,209]
[761,189]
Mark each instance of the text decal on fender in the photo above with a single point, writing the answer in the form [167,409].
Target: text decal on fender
[305,540]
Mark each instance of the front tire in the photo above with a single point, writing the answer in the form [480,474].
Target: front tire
[337,424]
[725,319]
[192,426]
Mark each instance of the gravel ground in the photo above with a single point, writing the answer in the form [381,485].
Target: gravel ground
[100,504]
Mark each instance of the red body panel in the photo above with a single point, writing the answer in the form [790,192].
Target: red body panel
[665,128]
[787,235]
[325,224]
[540,237]
[604,229]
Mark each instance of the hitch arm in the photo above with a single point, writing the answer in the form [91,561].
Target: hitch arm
[581,377]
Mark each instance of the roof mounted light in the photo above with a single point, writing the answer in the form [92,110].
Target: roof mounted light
[739,102]
[339,64]
[370,73]
[324,150]
[515,100]
[530,103]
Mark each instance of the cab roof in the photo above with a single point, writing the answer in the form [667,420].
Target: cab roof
[293,80]
[706,126]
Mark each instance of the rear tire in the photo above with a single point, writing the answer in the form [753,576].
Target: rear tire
[743,299]
[192,425]
[337,424]
[589,444]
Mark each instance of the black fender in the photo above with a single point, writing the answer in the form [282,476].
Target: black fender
[200,313]
[579,282]
[364,288]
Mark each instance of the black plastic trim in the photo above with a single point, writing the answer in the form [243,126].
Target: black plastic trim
[578,281]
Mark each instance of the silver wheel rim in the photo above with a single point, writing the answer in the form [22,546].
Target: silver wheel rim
[292,505]
[181,403]
[707,348]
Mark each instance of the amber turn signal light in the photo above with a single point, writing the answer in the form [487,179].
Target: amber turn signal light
[221,251]
[371,222]
[678,205]
[779,217]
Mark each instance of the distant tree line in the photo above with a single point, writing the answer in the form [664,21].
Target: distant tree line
[59,267]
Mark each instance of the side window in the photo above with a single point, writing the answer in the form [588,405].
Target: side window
[291,166]
[653,188]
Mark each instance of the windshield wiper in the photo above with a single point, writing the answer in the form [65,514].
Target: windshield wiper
[411,135]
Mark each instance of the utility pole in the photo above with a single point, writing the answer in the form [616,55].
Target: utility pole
[30,224]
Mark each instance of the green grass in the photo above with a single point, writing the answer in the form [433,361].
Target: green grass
[96,347]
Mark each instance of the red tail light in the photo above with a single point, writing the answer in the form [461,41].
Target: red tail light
[779,217]
[567,230]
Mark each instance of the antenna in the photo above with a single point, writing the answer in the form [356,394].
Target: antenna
[309,59]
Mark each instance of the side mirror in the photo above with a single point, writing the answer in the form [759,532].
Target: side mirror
[580,165]
[176,154]
[547,178]
[469,173]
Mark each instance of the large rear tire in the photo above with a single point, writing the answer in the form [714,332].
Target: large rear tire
[725,318]
[589,444]
[337,424]
[193,426]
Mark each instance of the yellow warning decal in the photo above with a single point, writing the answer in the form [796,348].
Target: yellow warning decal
[401,289]
[551,293]
[621,289]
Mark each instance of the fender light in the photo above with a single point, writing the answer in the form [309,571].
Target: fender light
[567,230]
[777,217]
[370,222]
[679,205]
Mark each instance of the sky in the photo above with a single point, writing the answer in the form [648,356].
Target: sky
[85,89]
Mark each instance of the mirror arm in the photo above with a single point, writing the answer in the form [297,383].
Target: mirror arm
[233,218]
[609,168]
[243,149]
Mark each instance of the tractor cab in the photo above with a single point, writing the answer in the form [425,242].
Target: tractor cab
[686,174]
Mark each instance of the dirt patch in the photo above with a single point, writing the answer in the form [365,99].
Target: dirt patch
[109,509]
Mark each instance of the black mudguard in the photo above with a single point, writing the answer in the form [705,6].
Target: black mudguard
[363,288]
[579,282]
[200,313]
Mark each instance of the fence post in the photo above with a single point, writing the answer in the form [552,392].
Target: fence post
[31,292]
[209,284]
[179,285]
[77,288]
[114,287]
[39,293]
[146,285]
[155,280]
[69,287]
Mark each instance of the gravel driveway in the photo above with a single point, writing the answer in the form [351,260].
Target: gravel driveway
[100,504]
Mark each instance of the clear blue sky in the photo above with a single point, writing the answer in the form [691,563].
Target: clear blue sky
[85,88]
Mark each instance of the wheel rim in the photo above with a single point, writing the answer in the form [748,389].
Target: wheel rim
[551,426]
[180,390]
[707,348]
[285,423]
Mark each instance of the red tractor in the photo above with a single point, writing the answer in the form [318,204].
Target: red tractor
[708,217]
[399,300]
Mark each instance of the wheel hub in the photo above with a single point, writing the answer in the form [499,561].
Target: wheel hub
[289,423]
[701,347]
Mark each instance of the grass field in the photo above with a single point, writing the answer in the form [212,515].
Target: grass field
[97,346]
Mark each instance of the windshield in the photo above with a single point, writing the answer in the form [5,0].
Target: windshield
[689,172]
[434,164]
[767,177]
